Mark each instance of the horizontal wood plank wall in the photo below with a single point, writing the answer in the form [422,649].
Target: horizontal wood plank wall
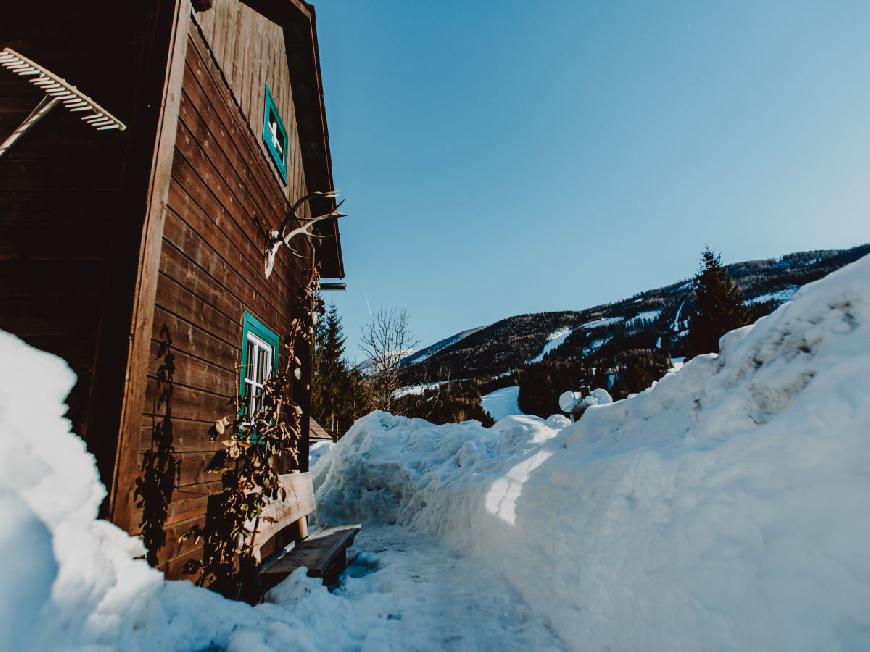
[62,184]
[250,52]
[211,272]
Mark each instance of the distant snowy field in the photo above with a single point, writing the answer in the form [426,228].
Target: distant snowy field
[726,508]
[780,297]
[502,402]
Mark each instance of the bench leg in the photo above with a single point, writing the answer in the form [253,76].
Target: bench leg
[302,527]
[333,573]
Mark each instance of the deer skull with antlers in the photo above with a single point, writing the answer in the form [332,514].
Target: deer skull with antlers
[275,239]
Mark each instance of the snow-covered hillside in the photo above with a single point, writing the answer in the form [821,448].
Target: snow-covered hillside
[653,319]
[554,340]
[432,349]
[726,508]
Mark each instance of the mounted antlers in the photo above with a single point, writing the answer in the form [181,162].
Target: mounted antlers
[283,237]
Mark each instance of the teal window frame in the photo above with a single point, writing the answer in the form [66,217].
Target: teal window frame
[270,107]
[253,326]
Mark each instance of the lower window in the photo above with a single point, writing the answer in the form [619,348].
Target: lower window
[259,358]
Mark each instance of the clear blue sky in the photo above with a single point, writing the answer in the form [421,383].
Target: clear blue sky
[502,157]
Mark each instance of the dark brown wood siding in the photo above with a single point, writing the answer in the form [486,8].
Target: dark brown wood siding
[211,273]
[250,51]
[72,199]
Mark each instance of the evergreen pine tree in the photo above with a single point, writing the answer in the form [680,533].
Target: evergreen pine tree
[718,305]
[329,377]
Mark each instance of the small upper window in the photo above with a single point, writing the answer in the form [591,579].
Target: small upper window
[274,134]
[259,358]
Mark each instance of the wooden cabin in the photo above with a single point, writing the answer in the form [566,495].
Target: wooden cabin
[138,255]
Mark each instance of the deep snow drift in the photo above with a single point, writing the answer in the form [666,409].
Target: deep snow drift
[728,507]
[70,582]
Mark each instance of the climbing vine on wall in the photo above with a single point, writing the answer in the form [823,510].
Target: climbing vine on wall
[249,465]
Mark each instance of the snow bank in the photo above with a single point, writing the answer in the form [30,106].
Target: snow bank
[318,451]
[728,507]
[72,582]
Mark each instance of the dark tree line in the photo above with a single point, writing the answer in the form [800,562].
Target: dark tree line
[340,393]
[449,403]
[627,372]
[629,362]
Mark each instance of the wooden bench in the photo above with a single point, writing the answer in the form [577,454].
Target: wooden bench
[324,554]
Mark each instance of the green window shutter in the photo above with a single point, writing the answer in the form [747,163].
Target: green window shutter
[253,325]
[275,134]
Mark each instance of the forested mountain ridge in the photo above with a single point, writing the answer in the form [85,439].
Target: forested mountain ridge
[656,318]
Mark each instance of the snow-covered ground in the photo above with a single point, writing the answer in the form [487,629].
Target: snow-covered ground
[408,591]
[726,508]
[502,402]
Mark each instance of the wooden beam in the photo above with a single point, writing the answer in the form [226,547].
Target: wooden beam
[141,324]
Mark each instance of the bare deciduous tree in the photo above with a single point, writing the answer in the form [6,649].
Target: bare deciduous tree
[385,340]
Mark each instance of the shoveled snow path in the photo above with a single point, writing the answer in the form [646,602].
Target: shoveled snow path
[411,592]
